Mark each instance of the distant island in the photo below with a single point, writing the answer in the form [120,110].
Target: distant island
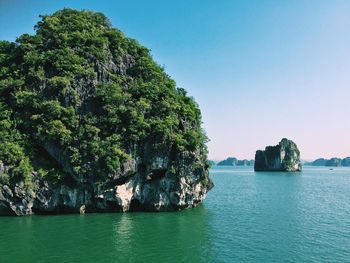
[285,156]
[232,161]
[333,162]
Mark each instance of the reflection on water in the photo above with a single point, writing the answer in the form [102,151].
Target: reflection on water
[165,237]
[131,237]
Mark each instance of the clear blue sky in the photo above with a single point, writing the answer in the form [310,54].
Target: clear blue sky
[260,70]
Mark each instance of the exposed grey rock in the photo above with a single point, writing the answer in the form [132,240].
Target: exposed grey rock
[7,190]
[283,157]
[127,190]
[82,209]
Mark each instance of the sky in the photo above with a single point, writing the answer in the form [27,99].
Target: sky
[259,70]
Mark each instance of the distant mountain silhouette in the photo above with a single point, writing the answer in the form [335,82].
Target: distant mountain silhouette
[233,161]
[334,162]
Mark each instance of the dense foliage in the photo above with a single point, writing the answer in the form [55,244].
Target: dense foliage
[79,98]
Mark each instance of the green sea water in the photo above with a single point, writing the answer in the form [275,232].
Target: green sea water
[247,217]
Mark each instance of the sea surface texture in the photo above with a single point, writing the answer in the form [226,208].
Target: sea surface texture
[247,217]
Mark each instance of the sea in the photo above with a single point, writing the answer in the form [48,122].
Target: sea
[247,217]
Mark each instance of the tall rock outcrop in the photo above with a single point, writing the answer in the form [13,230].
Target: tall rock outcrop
[283,157]
[89,123]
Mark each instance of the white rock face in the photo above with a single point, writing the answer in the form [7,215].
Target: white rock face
[123,194]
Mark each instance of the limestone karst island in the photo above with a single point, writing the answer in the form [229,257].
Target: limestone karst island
[174,131]
[89,122]
[285,156]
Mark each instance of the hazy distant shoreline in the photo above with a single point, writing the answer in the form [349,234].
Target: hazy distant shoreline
[332,162]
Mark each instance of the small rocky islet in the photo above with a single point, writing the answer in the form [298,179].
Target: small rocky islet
[285,156]
[90,123]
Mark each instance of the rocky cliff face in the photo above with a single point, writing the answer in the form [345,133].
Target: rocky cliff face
[137,188]
[283,157]
[90,123]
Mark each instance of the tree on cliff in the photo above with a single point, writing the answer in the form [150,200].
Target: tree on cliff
[80,98]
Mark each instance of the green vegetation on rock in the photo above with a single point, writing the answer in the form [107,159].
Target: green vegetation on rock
[285,156]
[78,99]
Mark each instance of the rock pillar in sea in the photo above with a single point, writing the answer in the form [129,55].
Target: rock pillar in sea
[285,156]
